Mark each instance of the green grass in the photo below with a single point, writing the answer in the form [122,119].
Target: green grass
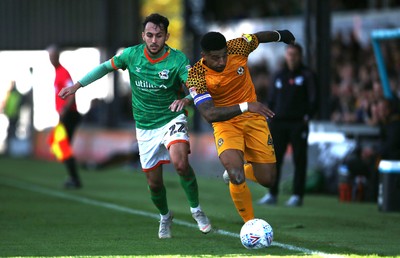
[113,216]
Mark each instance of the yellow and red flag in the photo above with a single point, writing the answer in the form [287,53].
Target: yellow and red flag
[59,143]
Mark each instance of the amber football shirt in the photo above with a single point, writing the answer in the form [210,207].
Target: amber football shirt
[231,86]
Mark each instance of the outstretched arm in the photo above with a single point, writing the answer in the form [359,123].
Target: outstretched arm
[98,72]
[216,114]
[67,91]
[275,36]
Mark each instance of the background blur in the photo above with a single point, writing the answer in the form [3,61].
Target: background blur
[335,34]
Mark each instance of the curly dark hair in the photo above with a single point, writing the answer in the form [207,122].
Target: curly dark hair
[157,19]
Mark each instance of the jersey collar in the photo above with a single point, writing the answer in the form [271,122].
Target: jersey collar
[153,61]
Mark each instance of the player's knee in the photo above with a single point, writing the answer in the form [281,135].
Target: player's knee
[268,180]
[181,166]
[237,177]
[155,186]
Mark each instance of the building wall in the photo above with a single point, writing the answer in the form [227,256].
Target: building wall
[35,24]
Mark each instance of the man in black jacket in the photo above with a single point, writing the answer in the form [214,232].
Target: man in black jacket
[293,98]
[388,119]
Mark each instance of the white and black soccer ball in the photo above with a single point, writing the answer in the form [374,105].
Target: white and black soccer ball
[256,234]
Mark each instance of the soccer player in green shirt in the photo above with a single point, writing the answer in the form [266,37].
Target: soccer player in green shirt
[157,73]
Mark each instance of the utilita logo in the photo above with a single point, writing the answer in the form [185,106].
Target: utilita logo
[145,85]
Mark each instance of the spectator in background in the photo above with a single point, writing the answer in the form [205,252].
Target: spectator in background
[261,78]
[69,119]
[293,98]
[356,84]
[343,103]
[363,162]
[387,116]
[12,109]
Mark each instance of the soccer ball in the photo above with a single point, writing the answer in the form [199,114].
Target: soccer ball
[256,234]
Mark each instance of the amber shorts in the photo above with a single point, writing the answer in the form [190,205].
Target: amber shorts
[249,134]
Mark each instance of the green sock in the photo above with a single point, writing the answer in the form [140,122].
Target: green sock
[160,200]
[189,184]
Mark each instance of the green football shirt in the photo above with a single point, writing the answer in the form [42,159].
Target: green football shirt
[155,83]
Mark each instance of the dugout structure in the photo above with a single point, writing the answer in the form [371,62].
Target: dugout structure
[377,36]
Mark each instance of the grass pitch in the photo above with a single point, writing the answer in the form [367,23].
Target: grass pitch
[112,215]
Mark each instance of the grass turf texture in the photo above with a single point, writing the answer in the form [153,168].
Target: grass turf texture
[112,215]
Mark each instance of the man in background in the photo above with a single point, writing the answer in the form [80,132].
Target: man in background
[293,98]
[69,120]
[12,110]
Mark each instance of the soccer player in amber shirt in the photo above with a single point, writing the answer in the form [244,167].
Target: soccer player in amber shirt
[222,90]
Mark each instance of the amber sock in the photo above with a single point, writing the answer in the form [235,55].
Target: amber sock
[241,197]
[249,172]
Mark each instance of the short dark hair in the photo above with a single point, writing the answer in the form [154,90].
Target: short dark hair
[296,46]
[157,19]
[212,41]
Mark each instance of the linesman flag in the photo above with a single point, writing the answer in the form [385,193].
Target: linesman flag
[59,143]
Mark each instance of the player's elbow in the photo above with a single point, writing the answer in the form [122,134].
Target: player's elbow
[210,119]
[211,116]
[210,113]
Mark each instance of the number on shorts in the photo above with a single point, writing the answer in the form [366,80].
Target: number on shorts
[178,127]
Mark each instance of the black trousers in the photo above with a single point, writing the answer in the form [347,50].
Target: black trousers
[71,121]
[296,134]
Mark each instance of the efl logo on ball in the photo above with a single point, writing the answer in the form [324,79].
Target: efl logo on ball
[256,234]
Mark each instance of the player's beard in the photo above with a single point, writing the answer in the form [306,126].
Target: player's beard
[219,68]
[158,49]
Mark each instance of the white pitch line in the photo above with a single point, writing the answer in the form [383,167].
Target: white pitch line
[71,197]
